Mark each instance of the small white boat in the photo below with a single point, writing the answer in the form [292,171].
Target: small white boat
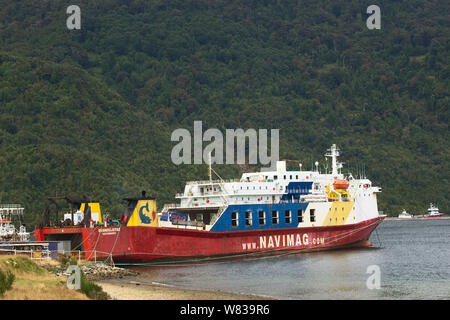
[405,215]
[433,212]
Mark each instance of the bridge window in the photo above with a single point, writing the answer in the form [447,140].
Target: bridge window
[300,215]
[234,219]
[312,216]
[262,217]
[248,218]
[287,216]
[274,217]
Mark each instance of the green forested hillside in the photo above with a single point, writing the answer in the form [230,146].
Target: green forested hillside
[91,111]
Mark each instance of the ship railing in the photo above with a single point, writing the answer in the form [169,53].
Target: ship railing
[314,198]
[46,254]
[299,191]
[204,194]
[292,201]
[188,223]
[10,206]
[211,181]
[170,206]
[11,209]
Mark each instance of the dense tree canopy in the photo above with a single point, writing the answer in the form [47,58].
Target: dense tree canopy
[91,111]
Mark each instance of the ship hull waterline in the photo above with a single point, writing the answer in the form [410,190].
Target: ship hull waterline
[144,244]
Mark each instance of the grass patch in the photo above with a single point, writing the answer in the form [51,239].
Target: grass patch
[23,279]
[21,264]
[6,280]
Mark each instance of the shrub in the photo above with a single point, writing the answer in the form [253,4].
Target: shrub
[6,281]
[92,290]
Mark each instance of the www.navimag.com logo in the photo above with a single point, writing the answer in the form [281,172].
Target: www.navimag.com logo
[257,146]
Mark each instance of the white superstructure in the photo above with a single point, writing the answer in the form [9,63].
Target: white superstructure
[433,211]
[317,189]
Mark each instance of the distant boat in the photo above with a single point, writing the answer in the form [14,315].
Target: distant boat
[405,215]
[433,212]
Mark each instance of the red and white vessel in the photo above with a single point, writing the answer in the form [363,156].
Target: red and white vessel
[433,212]
[261,213]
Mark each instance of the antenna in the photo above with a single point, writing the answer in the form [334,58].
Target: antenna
[209,168]
[333,153]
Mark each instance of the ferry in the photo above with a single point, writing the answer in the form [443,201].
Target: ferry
[266,212]
[433,212]
[405,215]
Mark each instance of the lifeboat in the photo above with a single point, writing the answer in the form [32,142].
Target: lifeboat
[341,184]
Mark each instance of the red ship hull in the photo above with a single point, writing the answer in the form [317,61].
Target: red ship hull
[137,244]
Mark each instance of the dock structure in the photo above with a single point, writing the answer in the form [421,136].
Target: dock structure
[11,209]
[7,230]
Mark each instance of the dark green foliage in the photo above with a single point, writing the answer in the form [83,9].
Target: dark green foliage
[67,261]
[91,289]
[91,111]
[6,280]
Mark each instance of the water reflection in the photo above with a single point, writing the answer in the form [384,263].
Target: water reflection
[413,257]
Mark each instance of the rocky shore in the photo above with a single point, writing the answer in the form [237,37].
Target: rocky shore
[94,272]
[122,284]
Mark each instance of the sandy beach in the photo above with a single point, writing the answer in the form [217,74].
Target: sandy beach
[121,290]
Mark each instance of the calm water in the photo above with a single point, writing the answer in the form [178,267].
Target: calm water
[413,257]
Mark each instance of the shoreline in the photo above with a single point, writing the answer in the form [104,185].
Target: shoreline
[134,290]
[447,217]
